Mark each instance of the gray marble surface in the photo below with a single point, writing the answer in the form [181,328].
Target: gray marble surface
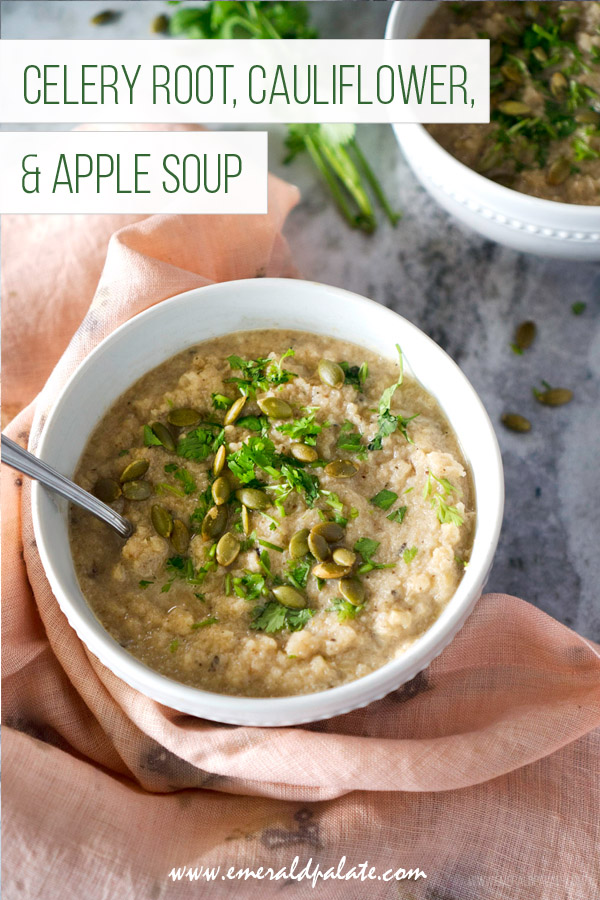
[468,294]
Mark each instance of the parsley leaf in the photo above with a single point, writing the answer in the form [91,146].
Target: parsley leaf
[150,439]
[210,620]
[384,499]
[386,422]
[273,616]
[259,374]
[367,548]
[220,401]
[250,586]
[299,571]
[344,609]
[355,375]
[305,429]
[350,440]
[438,489]
[398,514]
[201,442]
[409,554]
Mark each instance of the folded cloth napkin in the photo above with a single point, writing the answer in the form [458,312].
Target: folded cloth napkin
[482,772]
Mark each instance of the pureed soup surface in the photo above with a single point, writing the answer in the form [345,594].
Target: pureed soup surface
[544,134]
[344,522]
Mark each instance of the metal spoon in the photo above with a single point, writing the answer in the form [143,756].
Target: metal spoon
[23,461]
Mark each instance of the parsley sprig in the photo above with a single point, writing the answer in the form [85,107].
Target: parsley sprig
[387,423]
[438,490]
[259,374]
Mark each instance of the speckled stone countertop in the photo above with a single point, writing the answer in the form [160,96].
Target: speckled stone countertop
[468,294]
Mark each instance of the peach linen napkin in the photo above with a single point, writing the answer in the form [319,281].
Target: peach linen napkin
[482,772]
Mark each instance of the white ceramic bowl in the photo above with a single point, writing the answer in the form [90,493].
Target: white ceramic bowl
[171,326]
[525,223]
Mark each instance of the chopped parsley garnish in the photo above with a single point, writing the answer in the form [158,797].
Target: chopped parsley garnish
[355,375]
[386,422]
[409,554]
[398,514]
[254,423]
[270,546]
[182,475]
[182,567]
[298,572]
[260,453]
[438,489]
[201,442]
[274,616]
[305,429]
[210,620]
[250,586]
[144,584]
[367,548]
[150,439]
[351,441]
[384,499]
[174,645]
[259,374]
[578,308]
[344,609]
[161,487]
[220,401]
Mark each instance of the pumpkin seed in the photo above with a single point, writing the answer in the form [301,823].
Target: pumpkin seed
[588,117]
[289,596]
[253,498]
[516,422]
[134,470]
[214,522]
[514,108]
[184,416]
[303,452]
[331,373]
[164,435]
[107,490]
[344,557]
[554,396]
[531,10]
[274,407]
[512,72]
[558,84]
[496,51]
[159,25]
[559,171]
[341,468]
[219,461]
[352,590]
[331,531]
[234,411]
[525,335]
[540,54]
[298,546]
[329,570]
[221,490]
[245,520]
[180,536]
[104,18]
[162,520]
[318,546]
[227,549]
[137,490]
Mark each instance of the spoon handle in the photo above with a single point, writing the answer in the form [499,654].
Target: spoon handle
[24,461]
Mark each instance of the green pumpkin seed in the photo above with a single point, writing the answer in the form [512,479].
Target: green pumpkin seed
[221,490]
[331,531]
[107,490]
[327,570]
[352,590]
[514,108]
[554,396]
[219,462]
[234,411]
[253,498]
[159,24]
[228,549]
[303,452]
[516,422]
[496,51]
[558,84]
[164,435]
[274,407]
[540,54]
[588,117]
[344,557]
[525,335]
[214,523]
[331,373]
[162,520]
[183,417]
[104,18]
[512,72]
[559,171]
[137,490]
[245,520]
[341,468]
[180,536]
[298,546]
[134,470]
[318,546]
[289,596]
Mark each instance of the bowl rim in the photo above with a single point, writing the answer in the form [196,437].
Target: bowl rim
[269,711]
[504,195]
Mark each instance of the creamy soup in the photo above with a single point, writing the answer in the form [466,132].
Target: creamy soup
[302,514]
[544,134]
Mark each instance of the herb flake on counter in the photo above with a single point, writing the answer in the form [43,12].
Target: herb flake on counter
[578,308]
